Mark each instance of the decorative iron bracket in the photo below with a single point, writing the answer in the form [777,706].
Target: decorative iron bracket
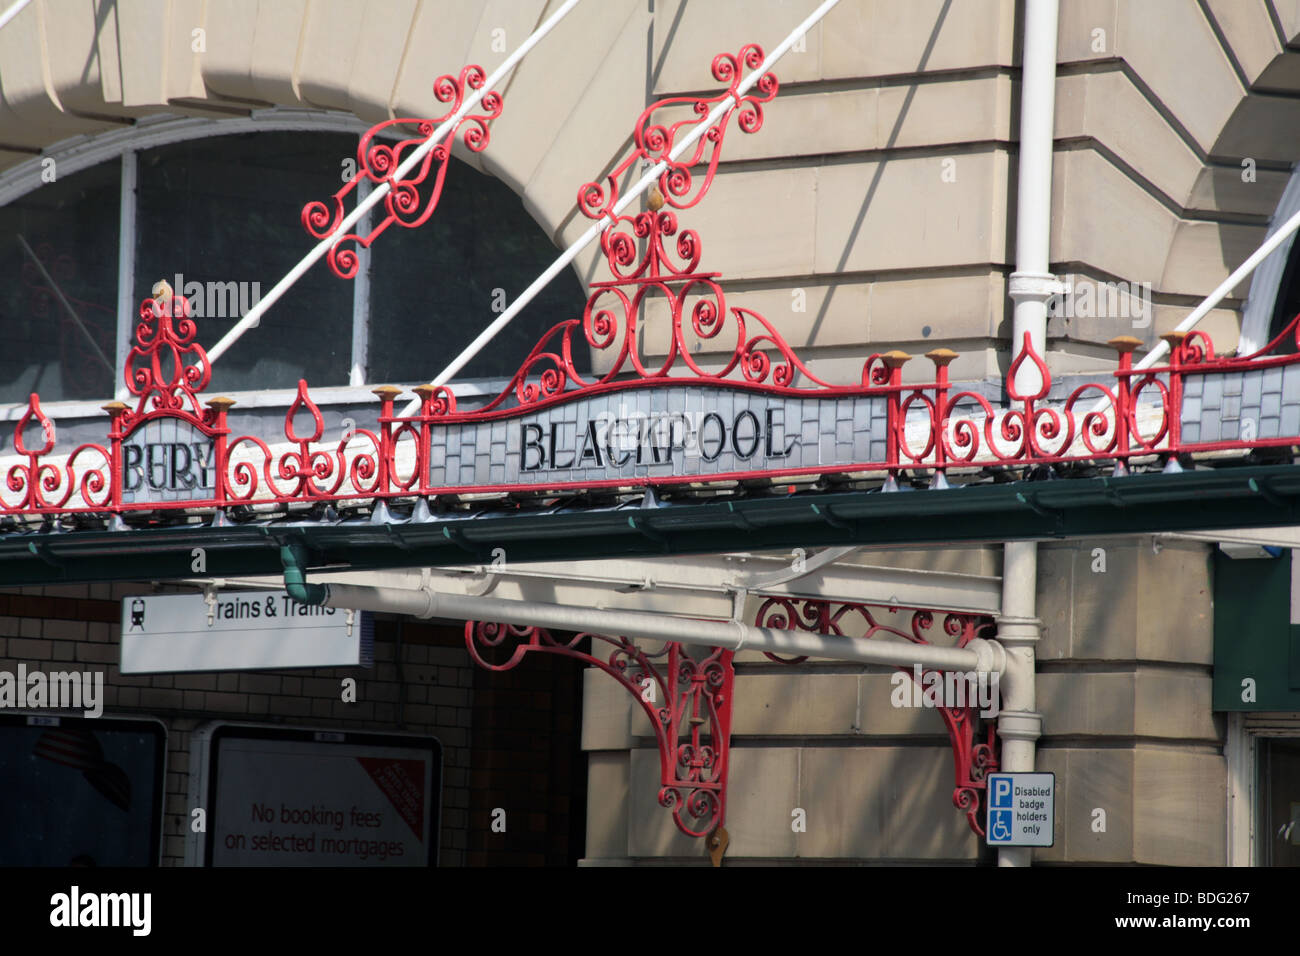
[973,758]
[688,703]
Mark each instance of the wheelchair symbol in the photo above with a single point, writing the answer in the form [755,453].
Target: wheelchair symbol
[1001,829]
[137,614]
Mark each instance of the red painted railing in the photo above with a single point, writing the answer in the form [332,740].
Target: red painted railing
[929,425]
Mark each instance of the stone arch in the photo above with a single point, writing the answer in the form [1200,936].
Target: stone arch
[81,69]
[1255,156]
[1246,179]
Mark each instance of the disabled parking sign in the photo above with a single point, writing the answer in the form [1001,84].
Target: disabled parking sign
[1022,809]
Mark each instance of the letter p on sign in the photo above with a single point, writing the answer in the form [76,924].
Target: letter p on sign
[1001,792]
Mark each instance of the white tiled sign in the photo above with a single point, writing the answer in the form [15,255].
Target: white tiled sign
[166,460]
[663,432]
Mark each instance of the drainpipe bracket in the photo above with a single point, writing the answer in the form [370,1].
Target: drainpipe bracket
[689,700]
[1020,725]
[1034,286]
[1019,631]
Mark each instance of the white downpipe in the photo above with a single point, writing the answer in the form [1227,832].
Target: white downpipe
[254,315]
[626,200]
[1031,285]
[1019,723]
[978,656]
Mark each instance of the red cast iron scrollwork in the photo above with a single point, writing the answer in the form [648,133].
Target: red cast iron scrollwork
[668,266]
[689,709]
[973,758]
[308,471]
[167,368]
[1135,413]
[44,487]
[378,162]
[654,141]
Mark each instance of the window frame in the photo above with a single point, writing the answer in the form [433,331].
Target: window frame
[79,153]
[1266,284]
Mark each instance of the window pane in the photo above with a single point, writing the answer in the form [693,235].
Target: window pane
[1287,303]
[1280,795]
[435,287]
[63,347]
[219,219]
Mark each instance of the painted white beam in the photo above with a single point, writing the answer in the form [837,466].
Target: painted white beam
[979,656]
[12,12]
[702,585]
[1283,537]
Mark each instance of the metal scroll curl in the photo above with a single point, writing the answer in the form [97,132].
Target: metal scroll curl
[973,747]
[378,162]
[688,700]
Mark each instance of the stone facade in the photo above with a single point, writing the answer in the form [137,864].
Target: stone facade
[882,188]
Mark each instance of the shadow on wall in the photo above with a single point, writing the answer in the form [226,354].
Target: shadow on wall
[879,173]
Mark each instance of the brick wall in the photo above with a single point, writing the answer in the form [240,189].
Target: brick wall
[526,762]
[510,740]
[428,690]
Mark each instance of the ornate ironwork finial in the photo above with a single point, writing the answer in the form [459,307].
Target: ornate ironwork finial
[166,368]
[378,162]
[653,142]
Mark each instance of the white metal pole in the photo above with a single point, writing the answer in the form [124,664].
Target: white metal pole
[127,314]
[1226,286]
[978,656]
[1019,722]
[254,314]
[627,199]
[1214,298]
[361,304]
[12,12]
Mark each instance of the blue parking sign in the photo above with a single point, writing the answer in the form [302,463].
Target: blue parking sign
[1021,809]
[1000,826]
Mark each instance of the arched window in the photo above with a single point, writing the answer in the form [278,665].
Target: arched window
[213,207]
